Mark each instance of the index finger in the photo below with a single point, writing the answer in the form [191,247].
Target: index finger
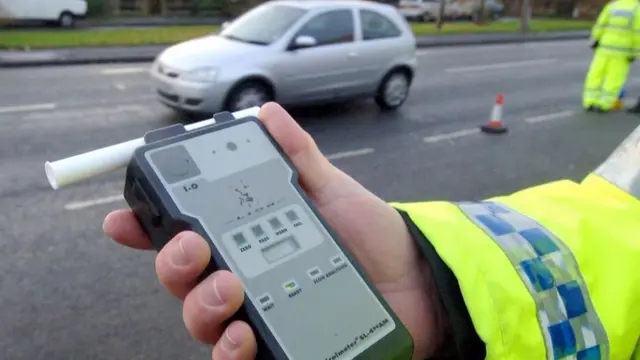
[122,226]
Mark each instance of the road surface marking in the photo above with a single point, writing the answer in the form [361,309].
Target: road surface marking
[451,135]
[499,66]
[23,108]
[549,117]
[94,202]
[120,87]
[352,153]
[120,71]
[110,114]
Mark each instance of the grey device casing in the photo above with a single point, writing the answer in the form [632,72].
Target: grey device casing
[306,297]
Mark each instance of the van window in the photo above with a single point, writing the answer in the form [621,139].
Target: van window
[331,27]
[377,26]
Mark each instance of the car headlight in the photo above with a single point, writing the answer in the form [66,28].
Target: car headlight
[200,75]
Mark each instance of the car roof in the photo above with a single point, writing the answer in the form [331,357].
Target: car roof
[320,4]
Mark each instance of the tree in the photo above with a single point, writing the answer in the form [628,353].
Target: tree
[525,16]
[481,10]
[440,20]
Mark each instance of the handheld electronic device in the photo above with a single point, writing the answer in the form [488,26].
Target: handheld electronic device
[306,298]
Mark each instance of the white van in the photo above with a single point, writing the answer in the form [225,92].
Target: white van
[63,12]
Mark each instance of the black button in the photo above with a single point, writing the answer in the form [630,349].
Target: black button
[149,207]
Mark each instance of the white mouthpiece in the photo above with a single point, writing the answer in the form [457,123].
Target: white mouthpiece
[101,161]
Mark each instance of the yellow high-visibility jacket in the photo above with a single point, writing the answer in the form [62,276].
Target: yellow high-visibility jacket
[617,28]
[549,272]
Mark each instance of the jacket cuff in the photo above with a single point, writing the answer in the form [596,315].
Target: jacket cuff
[464,343]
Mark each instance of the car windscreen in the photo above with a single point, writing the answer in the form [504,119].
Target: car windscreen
[264,24]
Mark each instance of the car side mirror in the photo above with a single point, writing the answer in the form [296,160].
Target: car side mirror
[303,41]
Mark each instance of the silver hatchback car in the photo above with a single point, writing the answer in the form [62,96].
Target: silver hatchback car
[295,53]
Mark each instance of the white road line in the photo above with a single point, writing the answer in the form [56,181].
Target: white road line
[94,202]
[351,153]
[120,87]
[498,66]
[451,135]
[120,71]
[23,108]
[549,117]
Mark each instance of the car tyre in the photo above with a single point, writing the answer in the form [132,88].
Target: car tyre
[393,90]
[66,20]
[248,94]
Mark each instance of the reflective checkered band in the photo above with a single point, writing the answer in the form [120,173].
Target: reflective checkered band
[569,323]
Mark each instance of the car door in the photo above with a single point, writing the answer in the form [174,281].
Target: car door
[324,70]
[380,45]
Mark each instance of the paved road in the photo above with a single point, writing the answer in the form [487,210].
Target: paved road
[68,293]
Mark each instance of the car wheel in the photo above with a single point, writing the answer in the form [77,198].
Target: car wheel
[394,90]
[66,20]
[248,94]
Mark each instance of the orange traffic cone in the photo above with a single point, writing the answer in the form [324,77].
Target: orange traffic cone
[495,124]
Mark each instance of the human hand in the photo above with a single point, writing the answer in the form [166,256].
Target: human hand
[370,228]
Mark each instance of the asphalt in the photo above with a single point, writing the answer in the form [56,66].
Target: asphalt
[146,53]
[67,292]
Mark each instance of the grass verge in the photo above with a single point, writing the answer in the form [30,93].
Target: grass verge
[37,39]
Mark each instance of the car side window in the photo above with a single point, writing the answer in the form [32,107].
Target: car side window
[377,26]
[332,27]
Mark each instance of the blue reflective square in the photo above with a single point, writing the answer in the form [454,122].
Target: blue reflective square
[592,353]
[538,273]
[563,339]
[495,224]
[572,299]
[541,243]
[494,208]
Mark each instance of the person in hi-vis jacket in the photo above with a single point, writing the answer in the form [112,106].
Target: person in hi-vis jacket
[616,40]
[549,272]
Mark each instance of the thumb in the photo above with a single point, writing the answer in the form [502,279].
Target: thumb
[314,169]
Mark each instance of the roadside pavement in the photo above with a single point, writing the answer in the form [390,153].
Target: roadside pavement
[118,54]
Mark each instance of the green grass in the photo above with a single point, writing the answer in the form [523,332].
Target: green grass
[169,35]
[501,27]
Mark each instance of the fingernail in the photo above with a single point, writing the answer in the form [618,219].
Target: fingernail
[210,294]
[230,343]
[181,254]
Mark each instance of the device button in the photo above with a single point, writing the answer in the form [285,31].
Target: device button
[175,164]
[277,226]
[259,234]
[314,273]
[291,288]
[293,218]
[265,301]
[241,242]
[151,210]
[337,260]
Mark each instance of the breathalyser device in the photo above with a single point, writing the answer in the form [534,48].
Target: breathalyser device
[227,179]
